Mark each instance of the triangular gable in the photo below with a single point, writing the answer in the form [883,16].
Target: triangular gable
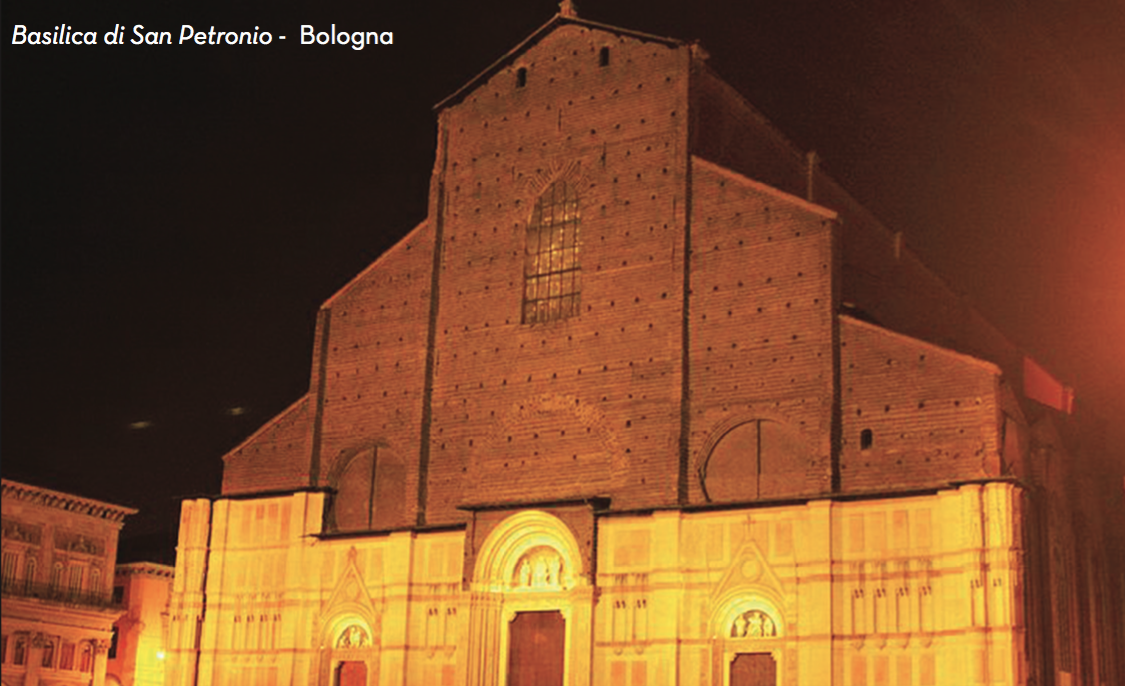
[536,36]
[351,591]
[748,569]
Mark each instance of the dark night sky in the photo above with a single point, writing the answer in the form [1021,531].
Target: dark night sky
[172,216]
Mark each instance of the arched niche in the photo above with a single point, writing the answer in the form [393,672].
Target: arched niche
[743,609]
[350,645]
[531,541]
[528,584]
[747,625]
[368,482]
[750,459]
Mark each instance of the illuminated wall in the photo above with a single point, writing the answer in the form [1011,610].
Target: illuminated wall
[137,657]
[914,590]
[618,412]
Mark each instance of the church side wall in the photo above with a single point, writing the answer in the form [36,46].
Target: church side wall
[373,369]
[761,324]
[276,457]
[932,416]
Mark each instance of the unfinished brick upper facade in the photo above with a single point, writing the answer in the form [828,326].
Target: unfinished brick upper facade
[713,401]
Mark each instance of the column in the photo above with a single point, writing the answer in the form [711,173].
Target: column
[34,659]
[101,650]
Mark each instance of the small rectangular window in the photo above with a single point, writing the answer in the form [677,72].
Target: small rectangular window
[866,439]
[603,57]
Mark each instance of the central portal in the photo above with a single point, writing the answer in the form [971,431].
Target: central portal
[753,669]
[536,649]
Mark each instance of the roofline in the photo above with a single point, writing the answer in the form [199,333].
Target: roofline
[798,201]
[47,497]
[331,301]
[990,366]
[144,568]
[293,406]
[552,23]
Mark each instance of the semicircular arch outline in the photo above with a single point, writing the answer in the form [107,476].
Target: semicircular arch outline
[519,534]
[741,600]
[727,425]
[344,616]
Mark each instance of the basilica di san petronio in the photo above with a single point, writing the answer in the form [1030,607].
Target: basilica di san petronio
[647,399]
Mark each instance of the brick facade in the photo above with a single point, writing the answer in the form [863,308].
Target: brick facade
[762,406]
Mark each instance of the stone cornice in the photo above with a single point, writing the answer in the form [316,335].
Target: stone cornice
[68,502]
[145,569]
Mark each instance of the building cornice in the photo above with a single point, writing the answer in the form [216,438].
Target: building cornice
[145,569]
[68,502]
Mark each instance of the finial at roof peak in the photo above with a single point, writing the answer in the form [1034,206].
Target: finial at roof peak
[567,9]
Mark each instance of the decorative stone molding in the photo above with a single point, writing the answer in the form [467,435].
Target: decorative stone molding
[45,497]
[497,564]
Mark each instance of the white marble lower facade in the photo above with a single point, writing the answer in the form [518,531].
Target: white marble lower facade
[916,590]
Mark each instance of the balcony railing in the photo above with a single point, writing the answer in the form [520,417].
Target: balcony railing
[56,594]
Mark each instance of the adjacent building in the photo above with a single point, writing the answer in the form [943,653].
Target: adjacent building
[648,399]
[59,551]
[136,655]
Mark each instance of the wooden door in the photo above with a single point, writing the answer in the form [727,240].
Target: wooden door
[535,649]
[351,673]
[753,669]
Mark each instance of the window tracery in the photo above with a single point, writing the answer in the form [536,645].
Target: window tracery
[552,270]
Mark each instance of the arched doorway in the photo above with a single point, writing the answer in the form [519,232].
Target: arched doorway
[532,609]
[748,643]
[351,654]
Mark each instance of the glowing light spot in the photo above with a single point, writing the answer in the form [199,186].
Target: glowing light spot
[138,426]
[160,655]
[236,411]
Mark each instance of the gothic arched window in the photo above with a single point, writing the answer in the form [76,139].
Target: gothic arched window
[552,271]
